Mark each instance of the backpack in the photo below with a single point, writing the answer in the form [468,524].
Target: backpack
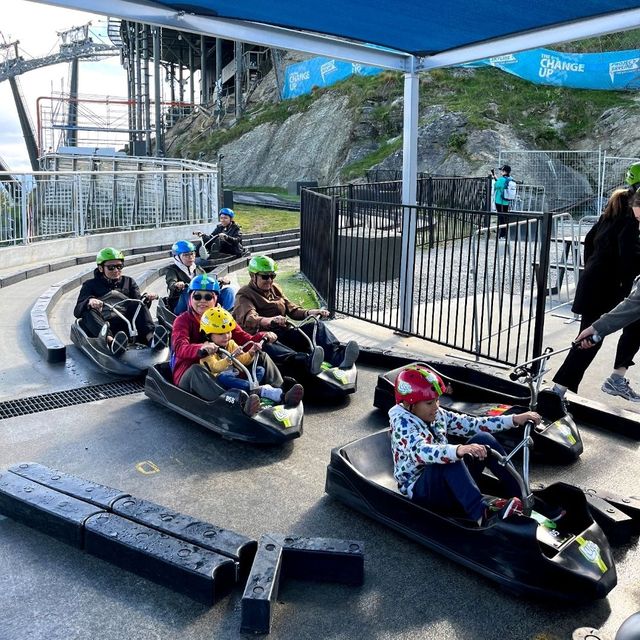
[509,192]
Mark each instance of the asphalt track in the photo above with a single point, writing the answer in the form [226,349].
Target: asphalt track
[49,590]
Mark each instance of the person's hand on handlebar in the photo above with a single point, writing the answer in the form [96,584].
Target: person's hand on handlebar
[522,418]
[270,337]
[276,321]
[179,286]
[149,296]
[478,451]
[318,313]
[208,348]
[587,338]
[95,303]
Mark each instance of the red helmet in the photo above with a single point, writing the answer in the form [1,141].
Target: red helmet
[415,384]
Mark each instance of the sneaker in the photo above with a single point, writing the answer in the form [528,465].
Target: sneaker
[293,397]
[119,343]
[620,387]
[316,358]
[160,339]
[271,393]
[251,405]
[351,353]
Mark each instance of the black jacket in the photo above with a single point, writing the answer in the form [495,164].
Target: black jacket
[172,275]
[99,287]
[232,244]
[612,261]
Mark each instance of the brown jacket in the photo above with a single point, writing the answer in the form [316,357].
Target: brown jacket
[252,305]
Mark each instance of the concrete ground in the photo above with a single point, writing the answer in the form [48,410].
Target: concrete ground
[49,590]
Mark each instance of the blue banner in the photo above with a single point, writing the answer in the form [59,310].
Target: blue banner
[612,71]
[301,78]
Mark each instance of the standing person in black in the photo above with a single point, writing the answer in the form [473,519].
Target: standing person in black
[109,285]
[612,261]
[226,239]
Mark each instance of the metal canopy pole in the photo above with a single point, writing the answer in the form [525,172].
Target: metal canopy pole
[157,83]
[409,186]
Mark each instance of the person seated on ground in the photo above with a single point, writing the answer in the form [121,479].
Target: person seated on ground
[109,285]
[217,324]
[261,305]
[179,274]
[188,346]
[226,239]
[432,472]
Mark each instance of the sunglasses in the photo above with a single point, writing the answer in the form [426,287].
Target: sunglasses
[199,296]
[114,267]
[267,276]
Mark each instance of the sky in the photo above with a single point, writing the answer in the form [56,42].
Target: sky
[35,26]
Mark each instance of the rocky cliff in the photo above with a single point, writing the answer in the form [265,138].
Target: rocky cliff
[338,133]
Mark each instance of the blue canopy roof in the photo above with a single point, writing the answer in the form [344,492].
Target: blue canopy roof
[411,35]
[417,27]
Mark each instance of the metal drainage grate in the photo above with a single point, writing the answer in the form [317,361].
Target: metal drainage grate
[59,399]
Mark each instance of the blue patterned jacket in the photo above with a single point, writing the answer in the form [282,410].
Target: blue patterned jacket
[415,443]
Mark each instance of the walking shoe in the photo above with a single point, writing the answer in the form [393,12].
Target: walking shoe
[620,387]
[351,353]
[316,358]
[271,393]
[251,405]
[160,339]
[293,397]
[119,343]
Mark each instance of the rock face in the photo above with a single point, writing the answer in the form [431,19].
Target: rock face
[308,146]
[319,143]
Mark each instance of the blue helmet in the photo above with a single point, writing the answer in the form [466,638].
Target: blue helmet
[204,282]
[227,212]
[182,246]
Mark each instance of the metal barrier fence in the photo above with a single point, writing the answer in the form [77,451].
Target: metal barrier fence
[317,258]
[575,182]
[45,205]
[461,193]
[477,287]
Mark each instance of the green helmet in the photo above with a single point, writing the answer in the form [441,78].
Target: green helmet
[109,253]
[262,264]
[633,174]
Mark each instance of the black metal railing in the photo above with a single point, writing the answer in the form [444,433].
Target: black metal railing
[318,227]
[460,193]
[466,282]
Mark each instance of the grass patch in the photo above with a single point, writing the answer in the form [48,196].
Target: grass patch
[260,219]
[297,289]
[490,95]
[359,168]
[281,191]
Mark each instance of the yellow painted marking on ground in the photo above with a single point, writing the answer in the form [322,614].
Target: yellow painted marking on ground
[147,468]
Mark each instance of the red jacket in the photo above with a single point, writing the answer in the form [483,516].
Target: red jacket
[186,342]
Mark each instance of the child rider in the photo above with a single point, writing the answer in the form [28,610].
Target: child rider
[428,469]
[216,324]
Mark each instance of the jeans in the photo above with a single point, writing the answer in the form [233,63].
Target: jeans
[450,487]
[230,379]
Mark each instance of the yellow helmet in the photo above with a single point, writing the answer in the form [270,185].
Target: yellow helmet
[217,320]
